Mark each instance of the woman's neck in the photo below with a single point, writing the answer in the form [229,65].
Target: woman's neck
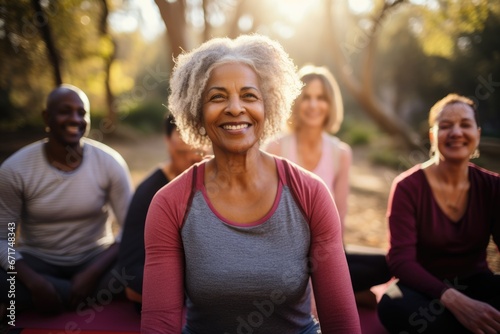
[452,173]
[310,136]
[234,169]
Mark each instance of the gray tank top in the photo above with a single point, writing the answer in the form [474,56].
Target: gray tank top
[261,285]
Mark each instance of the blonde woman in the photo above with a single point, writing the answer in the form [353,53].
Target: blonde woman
[317,115]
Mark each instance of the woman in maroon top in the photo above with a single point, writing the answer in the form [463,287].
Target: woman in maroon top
[442,214]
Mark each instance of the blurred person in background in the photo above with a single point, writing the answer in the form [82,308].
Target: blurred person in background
[132,253]
[58,195]
[442,214]
[317,115]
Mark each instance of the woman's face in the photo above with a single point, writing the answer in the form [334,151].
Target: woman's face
[233,108]
[313,106]
[456,133]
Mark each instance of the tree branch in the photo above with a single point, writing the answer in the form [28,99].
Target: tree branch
[362,91]
[172,14]
[108,62]
[53,54]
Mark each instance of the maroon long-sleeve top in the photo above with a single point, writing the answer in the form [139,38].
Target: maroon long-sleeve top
[428,250]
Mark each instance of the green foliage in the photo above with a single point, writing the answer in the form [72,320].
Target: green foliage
[423,53]
[412,81]
[356,133]
[27,75]
[146,117]
[386,157]
[444,23]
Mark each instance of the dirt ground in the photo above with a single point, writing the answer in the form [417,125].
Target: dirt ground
[370,184]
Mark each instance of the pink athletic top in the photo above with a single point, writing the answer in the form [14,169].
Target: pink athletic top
[328,162]
[246,277]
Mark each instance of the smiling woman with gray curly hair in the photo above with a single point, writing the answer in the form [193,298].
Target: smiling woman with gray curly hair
[242,233]
[274,68]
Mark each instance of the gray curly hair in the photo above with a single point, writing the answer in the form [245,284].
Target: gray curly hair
[275,69]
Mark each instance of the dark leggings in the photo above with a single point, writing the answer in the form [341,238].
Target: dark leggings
[110,286]
[367,270]
[403,310]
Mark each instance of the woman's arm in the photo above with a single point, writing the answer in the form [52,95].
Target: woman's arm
[402,256]
[341,181]
[477,316]
[330,275]
[163,287]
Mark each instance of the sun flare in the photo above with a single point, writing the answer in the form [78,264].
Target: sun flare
[360,6]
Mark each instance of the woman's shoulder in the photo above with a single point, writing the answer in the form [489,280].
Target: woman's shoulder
[483,172]
[411,176]
[182,185]
[308,189]
[335,143]
[296,176]
[275,145]
[484,177]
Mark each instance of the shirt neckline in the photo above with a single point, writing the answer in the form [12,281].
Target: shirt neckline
[200,185]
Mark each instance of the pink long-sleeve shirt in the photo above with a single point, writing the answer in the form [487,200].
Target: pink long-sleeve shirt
[246,277]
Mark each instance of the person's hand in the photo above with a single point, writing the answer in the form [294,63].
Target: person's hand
[83,285]
[476,316]
[45,297]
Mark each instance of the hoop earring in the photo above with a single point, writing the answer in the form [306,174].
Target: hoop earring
[202,131]
[476,154]
[432,152]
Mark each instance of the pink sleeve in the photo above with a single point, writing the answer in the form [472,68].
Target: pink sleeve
[163,286]
[402,256]
[329,272]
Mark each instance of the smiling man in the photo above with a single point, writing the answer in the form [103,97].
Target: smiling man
[60,192]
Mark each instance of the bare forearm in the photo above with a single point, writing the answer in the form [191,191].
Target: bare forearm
[475,315]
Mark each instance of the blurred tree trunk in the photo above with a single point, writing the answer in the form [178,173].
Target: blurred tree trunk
[108,62]
[173,15]
[362,88]
[207,32]
[233,28]
[42,22]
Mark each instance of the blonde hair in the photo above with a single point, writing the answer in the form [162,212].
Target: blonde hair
[331,89]
[451,99]
[277,75]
